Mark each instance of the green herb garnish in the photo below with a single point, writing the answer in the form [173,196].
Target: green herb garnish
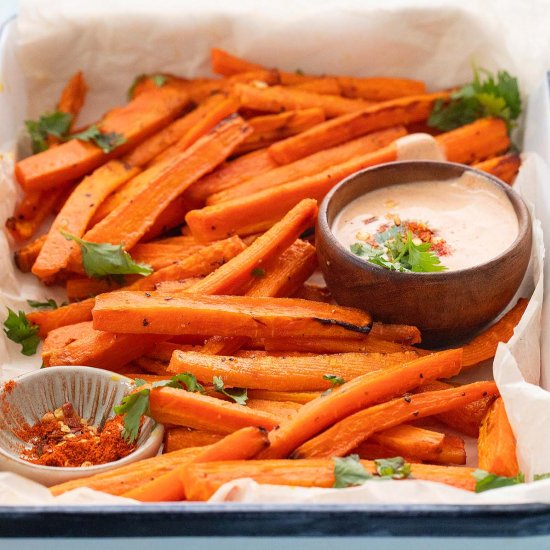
[393,468]
[54,124]
[494,96]
[485,481]
[105,259]
[158,79]
[350,472]
[239,395]
[106,141]
[258,272]
[540,477]
[21,331]
[50,303]
[334,380]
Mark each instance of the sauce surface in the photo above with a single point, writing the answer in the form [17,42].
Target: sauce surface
[467,220]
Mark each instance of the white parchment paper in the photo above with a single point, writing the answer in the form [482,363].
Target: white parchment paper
[113,40]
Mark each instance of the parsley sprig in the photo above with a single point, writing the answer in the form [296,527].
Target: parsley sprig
[485,481]
[239,395]
[158,80]
[106,141]
[56,124]
[398,252]
[335,381]
[107,260]
[496,96]
[50,303]
[21,331]
[349,471]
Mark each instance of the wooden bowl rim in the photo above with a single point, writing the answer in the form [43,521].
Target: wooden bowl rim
[439,167]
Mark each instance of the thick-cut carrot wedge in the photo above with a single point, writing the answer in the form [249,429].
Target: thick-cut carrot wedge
[363,391]
[351,431]
[284,373]
[48,320]
[183,408]
[131,220]
[230,174]
[184,438]
[63,336]
[147,313]
[72,96]
[341,129]
[271,128]
[278,98]
[125,478]
[159,255]
[505,167]
[402,334]
[369,450]
[226,64]
[312,164]
[484,345]
[322,85]
[25,257]
[409,440]
[496,446]
[452,451]
[33,209]
[201,481]
[241,445]
[82,288]
[283,410]
[73,218]
[173,287]
[301,397]
[71,160]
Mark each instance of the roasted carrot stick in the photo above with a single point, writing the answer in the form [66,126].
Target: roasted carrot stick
[268,129]
[148,313]
[361,392]
[484,346]
[184,438]
[73,96]
[201,481]
[25,257]
[73,218]
[351,431]
[311,164]
[341,129]
[202,412]
[241,445]
[73,159]
[301,397]
[284,373]
[82,288]
[505,167]
[63,336]
[159,255]
[496,446]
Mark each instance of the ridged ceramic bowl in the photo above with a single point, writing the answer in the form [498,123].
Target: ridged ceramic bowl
[93,393]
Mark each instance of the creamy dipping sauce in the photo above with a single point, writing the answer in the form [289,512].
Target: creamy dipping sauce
[467,221]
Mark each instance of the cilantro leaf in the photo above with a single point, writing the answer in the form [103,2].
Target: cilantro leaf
[348,472]
[239,395]
[540,477]
[55,124]
[21,331]
[106,141]
[258,272]
[158,79]
[393,468]
[334,380]
[485,481]
[187,379]
[496,96]
[133,407]
[50,303]
[105,259]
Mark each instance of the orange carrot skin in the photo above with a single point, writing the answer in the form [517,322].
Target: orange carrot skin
[71,160]
[184,438]
[359,393]
[72,96]
[201,481]
[353,430]
[63,336]
[504,167]
[409,440]
[496,446]
[25,257]
[48,320]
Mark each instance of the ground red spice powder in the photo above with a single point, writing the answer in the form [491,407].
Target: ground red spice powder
[64,439]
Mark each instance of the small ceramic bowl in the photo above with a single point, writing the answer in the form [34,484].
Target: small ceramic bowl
[446,306]
[93,393]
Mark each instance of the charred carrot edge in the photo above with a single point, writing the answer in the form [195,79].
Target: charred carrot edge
[359,393]
[257,317]
[347,434]
[496,446]
[73,159]
[183,408]
[280,278]
[401,334]
[201,481]
[505,167]
[283,373]
[25,257]
[240,445]
[484,346]
[75,214]
[309,165]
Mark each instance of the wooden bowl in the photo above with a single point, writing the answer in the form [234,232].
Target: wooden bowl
[446,306]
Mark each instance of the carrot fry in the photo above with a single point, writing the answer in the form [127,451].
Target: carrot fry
[147,313]
[184,438]
[484,345]
[271,128]
[201,481]
[73,218]
[283,410]
[373,451]
[72,96]
[322,85]
[496,446]
[73,159]
[402,334]
[202,412]
[159,255]
[505,167]
[341,129]
[63,336]
[48,320]
[226,64]
[283,373]
[241,445]
[25,257]
[301,397]
[351,431]
[363,391]
[311,164]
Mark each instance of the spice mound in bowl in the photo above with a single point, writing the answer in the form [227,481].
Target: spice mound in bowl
[59,424]
[63,439]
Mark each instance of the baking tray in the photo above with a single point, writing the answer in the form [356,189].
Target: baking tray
[252,520]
